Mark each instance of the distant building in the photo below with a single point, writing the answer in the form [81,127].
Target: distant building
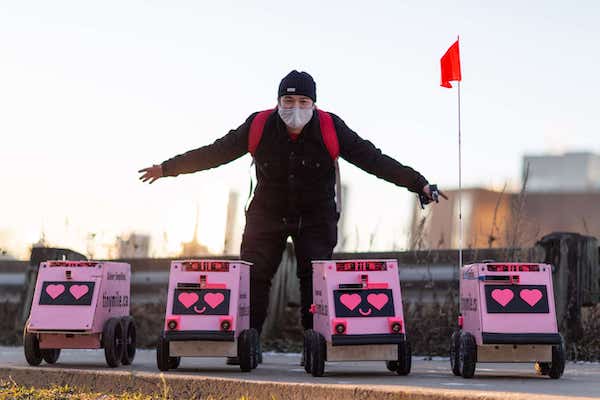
[42,242]
[231,223]
[134,245]
[544,213]
[562,194]
[485,214]
[341,227]
[495,219]
[570,172]
[194,248]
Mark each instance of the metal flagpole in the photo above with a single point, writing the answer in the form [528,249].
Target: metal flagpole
[460,222]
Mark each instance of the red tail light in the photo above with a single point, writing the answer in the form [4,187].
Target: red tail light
[226,323]
[339,326]
[395,325]
[172,323]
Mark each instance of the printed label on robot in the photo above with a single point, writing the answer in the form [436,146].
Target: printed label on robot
[321,309]
[516,299]
[67,293]
[201,302]
[119,276]
[114,300]
[244,311]
[364,303]
[468,304]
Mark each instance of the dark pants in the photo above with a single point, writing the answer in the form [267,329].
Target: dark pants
[263,244]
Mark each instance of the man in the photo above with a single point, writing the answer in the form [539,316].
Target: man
[296,178]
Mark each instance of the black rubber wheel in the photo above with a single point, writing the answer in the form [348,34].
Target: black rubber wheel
[467,357]
[232,361]
[542,368]
[404,359]
[306,351]
[50,355]
[259,357]
[255,343]
[454,345]
[318,354]
[392,365]
[557,367]
[113,342]
[31,346]
[163,361]
[247,350]
[129,333]
[174,362]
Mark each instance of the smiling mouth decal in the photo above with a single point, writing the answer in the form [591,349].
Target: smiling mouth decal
[199,311]
[365,313]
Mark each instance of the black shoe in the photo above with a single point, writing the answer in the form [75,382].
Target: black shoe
[232,361]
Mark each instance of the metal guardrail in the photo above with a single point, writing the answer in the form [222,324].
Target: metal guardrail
[408,273]
[12,284]
[420,271]
[12,279]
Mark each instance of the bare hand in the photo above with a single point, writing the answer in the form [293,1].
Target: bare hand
[151,173]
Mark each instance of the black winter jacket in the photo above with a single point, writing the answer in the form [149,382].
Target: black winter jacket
[295,178]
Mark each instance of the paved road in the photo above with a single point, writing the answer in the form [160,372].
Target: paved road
[580,379]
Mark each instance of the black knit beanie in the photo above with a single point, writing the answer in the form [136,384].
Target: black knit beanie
[300,83]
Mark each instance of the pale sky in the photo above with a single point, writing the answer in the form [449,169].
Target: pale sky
[90,92]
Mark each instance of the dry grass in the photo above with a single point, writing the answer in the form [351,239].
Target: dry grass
[430,326]
[8,333]
[495,230]
[587,348]
[9,390]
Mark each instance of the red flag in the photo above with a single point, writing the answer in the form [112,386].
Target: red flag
[450,66]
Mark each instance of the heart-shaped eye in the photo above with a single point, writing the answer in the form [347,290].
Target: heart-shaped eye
[78,291]
[502,296]
[214,299]
[187,299]
[378,300]
[55,290]
[531,297]
[350,300]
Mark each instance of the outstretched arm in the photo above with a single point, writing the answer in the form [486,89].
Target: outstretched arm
[223,150]
[369,158]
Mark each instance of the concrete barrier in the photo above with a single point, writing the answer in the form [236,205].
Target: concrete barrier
[199,387]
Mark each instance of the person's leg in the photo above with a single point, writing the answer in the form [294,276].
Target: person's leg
[263,243]
[313,241]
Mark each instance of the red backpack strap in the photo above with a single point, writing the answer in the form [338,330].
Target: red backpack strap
[329,135]
[256,130]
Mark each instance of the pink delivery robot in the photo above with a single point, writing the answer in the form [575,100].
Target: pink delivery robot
[507,314]
[357,314]
[81,305]
[208,314]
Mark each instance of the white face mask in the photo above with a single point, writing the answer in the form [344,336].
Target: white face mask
[295,117]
